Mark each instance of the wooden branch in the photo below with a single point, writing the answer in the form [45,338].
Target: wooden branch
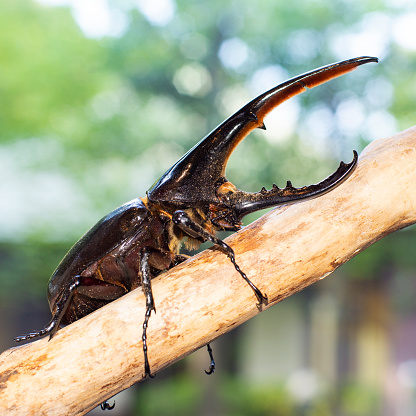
[283,252]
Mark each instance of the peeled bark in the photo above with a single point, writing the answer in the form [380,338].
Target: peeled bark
[283,252]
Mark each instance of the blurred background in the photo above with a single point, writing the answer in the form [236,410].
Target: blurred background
[98,98]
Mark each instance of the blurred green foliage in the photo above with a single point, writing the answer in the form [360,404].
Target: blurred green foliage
[182,397]
[49,71]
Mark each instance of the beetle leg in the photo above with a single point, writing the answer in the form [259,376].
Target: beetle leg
[180,258]
[150,305]
[183,221]
[106,406]
[212,365]
[60,309]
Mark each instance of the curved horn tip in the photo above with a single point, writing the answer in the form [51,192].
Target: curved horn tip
[355,156]
[367,58]
[353,161]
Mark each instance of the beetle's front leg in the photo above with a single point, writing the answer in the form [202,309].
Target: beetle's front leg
[183,221]
[60,309]
[150,304]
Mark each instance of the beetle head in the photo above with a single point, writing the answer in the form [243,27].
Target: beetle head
[198,178]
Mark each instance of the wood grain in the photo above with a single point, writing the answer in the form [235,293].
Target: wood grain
[283,252]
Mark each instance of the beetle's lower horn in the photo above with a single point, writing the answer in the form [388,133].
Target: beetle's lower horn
[246,202]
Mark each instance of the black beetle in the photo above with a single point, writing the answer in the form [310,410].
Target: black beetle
[192,200]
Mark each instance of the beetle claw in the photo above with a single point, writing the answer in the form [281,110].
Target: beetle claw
[212,365]
[147,372]
[106,406]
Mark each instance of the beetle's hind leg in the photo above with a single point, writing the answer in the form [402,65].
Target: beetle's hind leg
[183,221]
[60,309]
[211,357]
[150,304]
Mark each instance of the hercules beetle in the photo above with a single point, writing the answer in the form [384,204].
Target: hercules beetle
[192,200]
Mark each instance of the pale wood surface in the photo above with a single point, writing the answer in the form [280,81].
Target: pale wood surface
[283,252]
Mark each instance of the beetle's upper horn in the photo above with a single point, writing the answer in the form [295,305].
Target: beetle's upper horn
[199,173]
